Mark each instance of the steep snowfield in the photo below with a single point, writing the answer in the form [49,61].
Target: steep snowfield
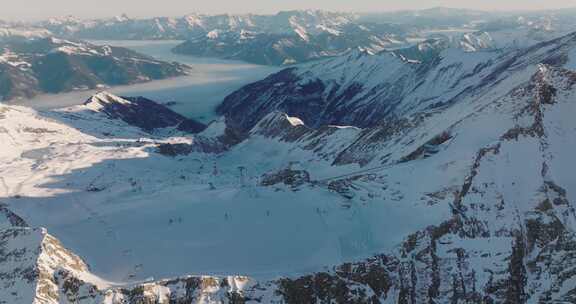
[362,89]
[36,268]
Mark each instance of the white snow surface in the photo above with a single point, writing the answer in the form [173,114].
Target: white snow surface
[100,187]
[125,208]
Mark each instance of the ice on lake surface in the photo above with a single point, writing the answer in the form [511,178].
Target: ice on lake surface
[195,96]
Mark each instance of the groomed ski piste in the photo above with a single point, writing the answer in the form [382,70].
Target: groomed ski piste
[127,209]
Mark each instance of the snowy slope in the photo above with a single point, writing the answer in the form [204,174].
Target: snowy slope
[362,89]
[463,195]
[301,44]
[114,162]
[473,184]
[141,112]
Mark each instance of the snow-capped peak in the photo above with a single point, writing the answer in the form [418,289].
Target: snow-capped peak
[141,112]
[101,99]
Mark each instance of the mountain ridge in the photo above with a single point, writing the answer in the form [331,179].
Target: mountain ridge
[32,66]
[424,175]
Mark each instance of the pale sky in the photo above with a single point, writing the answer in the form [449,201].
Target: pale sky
[40,9]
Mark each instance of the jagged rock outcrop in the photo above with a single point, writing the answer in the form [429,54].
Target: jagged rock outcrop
[36,268]
[30,259]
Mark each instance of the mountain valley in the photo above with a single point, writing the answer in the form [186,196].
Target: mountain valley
[436,170]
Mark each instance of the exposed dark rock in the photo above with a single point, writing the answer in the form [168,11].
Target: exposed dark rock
[142,112]
[429,148]
[289,177]
[173,150]
[12,218]
[344,187]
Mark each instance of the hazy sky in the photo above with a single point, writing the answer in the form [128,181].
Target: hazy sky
[38,9]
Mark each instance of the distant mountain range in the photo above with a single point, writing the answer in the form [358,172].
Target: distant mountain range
[290,37]
[32,64]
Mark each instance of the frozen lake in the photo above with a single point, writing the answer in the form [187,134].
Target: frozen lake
[195,95]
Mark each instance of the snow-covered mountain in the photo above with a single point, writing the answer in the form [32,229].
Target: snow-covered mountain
[192,25]
[9,30]
[362,89]
[430,174]
[294,37]
[298,36]
[34,65]
[479,29]
[141,112]
[283,38]
[288,48]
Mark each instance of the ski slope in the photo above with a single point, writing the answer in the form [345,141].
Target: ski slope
[126,209]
